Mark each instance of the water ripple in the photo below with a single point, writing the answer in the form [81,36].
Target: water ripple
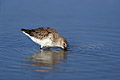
[90,51]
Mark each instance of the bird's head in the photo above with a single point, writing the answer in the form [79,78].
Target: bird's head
[63,43]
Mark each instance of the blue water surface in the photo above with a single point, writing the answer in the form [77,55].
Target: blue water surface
[92,28]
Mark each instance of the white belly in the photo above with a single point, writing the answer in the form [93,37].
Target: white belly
[44,42]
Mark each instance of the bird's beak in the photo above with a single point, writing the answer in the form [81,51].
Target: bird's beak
[65,48]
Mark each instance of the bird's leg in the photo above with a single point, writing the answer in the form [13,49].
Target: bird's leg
[41,47]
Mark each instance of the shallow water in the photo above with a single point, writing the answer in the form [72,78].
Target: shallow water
[91,27]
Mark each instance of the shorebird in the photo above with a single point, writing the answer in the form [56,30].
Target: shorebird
[46,37]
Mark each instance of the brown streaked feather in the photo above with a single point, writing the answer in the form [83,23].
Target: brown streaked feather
[42,32]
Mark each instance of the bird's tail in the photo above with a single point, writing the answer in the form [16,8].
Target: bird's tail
[26,31]
[23,29]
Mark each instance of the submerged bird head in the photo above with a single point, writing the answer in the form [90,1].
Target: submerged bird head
[62,42]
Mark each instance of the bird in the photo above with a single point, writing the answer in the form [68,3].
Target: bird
[46,37]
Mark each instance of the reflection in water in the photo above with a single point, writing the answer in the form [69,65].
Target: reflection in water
[46,59]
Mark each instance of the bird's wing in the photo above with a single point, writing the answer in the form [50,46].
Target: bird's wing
[42,32]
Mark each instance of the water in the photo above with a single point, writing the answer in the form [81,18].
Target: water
[92,28]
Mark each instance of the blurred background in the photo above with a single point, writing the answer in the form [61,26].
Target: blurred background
[92,28]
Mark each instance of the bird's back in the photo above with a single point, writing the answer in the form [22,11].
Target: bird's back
[41,33]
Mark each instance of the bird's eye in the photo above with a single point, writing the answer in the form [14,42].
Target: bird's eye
[64,44]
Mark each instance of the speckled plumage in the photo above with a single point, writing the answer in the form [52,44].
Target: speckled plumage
[45,36]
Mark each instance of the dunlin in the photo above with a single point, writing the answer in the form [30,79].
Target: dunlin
[46,37]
